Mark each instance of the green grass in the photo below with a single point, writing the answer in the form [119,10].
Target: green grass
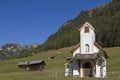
[10,71]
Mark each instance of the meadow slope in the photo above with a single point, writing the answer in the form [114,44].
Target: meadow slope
[54,70]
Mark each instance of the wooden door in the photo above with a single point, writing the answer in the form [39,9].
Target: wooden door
[87,69]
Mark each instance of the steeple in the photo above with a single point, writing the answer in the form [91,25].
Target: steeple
[87,39]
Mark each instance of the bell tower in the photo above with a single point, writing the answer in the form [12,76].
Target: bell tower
[87,39]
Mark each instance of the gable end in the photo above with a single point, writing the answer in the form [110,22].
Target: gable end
[75,48]
[86,24]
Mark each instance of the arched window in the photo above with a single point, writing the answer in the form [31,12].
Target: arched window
[86,30]
[87,48]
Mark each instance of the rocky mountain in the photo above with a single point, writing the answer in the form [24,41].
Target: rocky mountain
[9,50]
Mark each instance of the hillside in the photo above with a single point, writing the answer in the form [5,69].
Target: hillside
[105,19]
[10,71]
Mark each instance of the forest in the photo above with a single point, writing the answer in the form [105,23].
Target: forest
[105,19]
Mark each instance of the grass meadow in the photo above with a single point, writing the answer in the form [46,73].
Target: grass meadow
[54,69]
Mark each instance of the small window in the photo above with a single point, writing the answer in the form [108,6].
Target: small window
[87,48]
[86,30]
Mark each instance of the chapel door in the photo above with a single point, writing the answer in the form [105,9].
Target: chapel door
[87,69]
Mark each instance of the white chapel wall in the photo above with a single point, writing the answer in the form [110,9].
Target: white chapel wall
[77,51]
[97,71]
[87,38]
[96,50]
[104,69]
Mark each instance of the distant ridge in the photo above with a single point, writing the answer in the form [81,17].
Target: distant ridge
[12,49]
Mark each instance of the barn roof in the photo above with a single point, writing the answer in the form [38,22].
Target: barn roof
[36,62]
[31,63]
[85,56]
[23,63]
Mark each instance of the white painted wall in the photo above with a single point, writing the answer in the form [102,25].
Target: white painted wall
[77,51]
[96,50]
[67,71]
[104,69]
[97,71]
[87,38]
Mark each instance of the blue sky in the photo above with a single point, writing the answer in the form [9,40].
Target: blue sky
[32,21]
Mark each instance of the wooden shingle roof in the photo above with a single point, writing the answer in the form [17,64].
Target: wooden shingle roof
[36,62]
[85,56]
[31,63]
[23,63]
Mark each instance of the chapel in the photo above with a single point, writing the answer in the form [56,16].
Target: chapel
[89,58]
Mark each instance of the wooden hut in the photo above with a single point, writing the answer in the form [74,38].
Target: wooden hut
[32,65]
[36,65]
[23,65]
